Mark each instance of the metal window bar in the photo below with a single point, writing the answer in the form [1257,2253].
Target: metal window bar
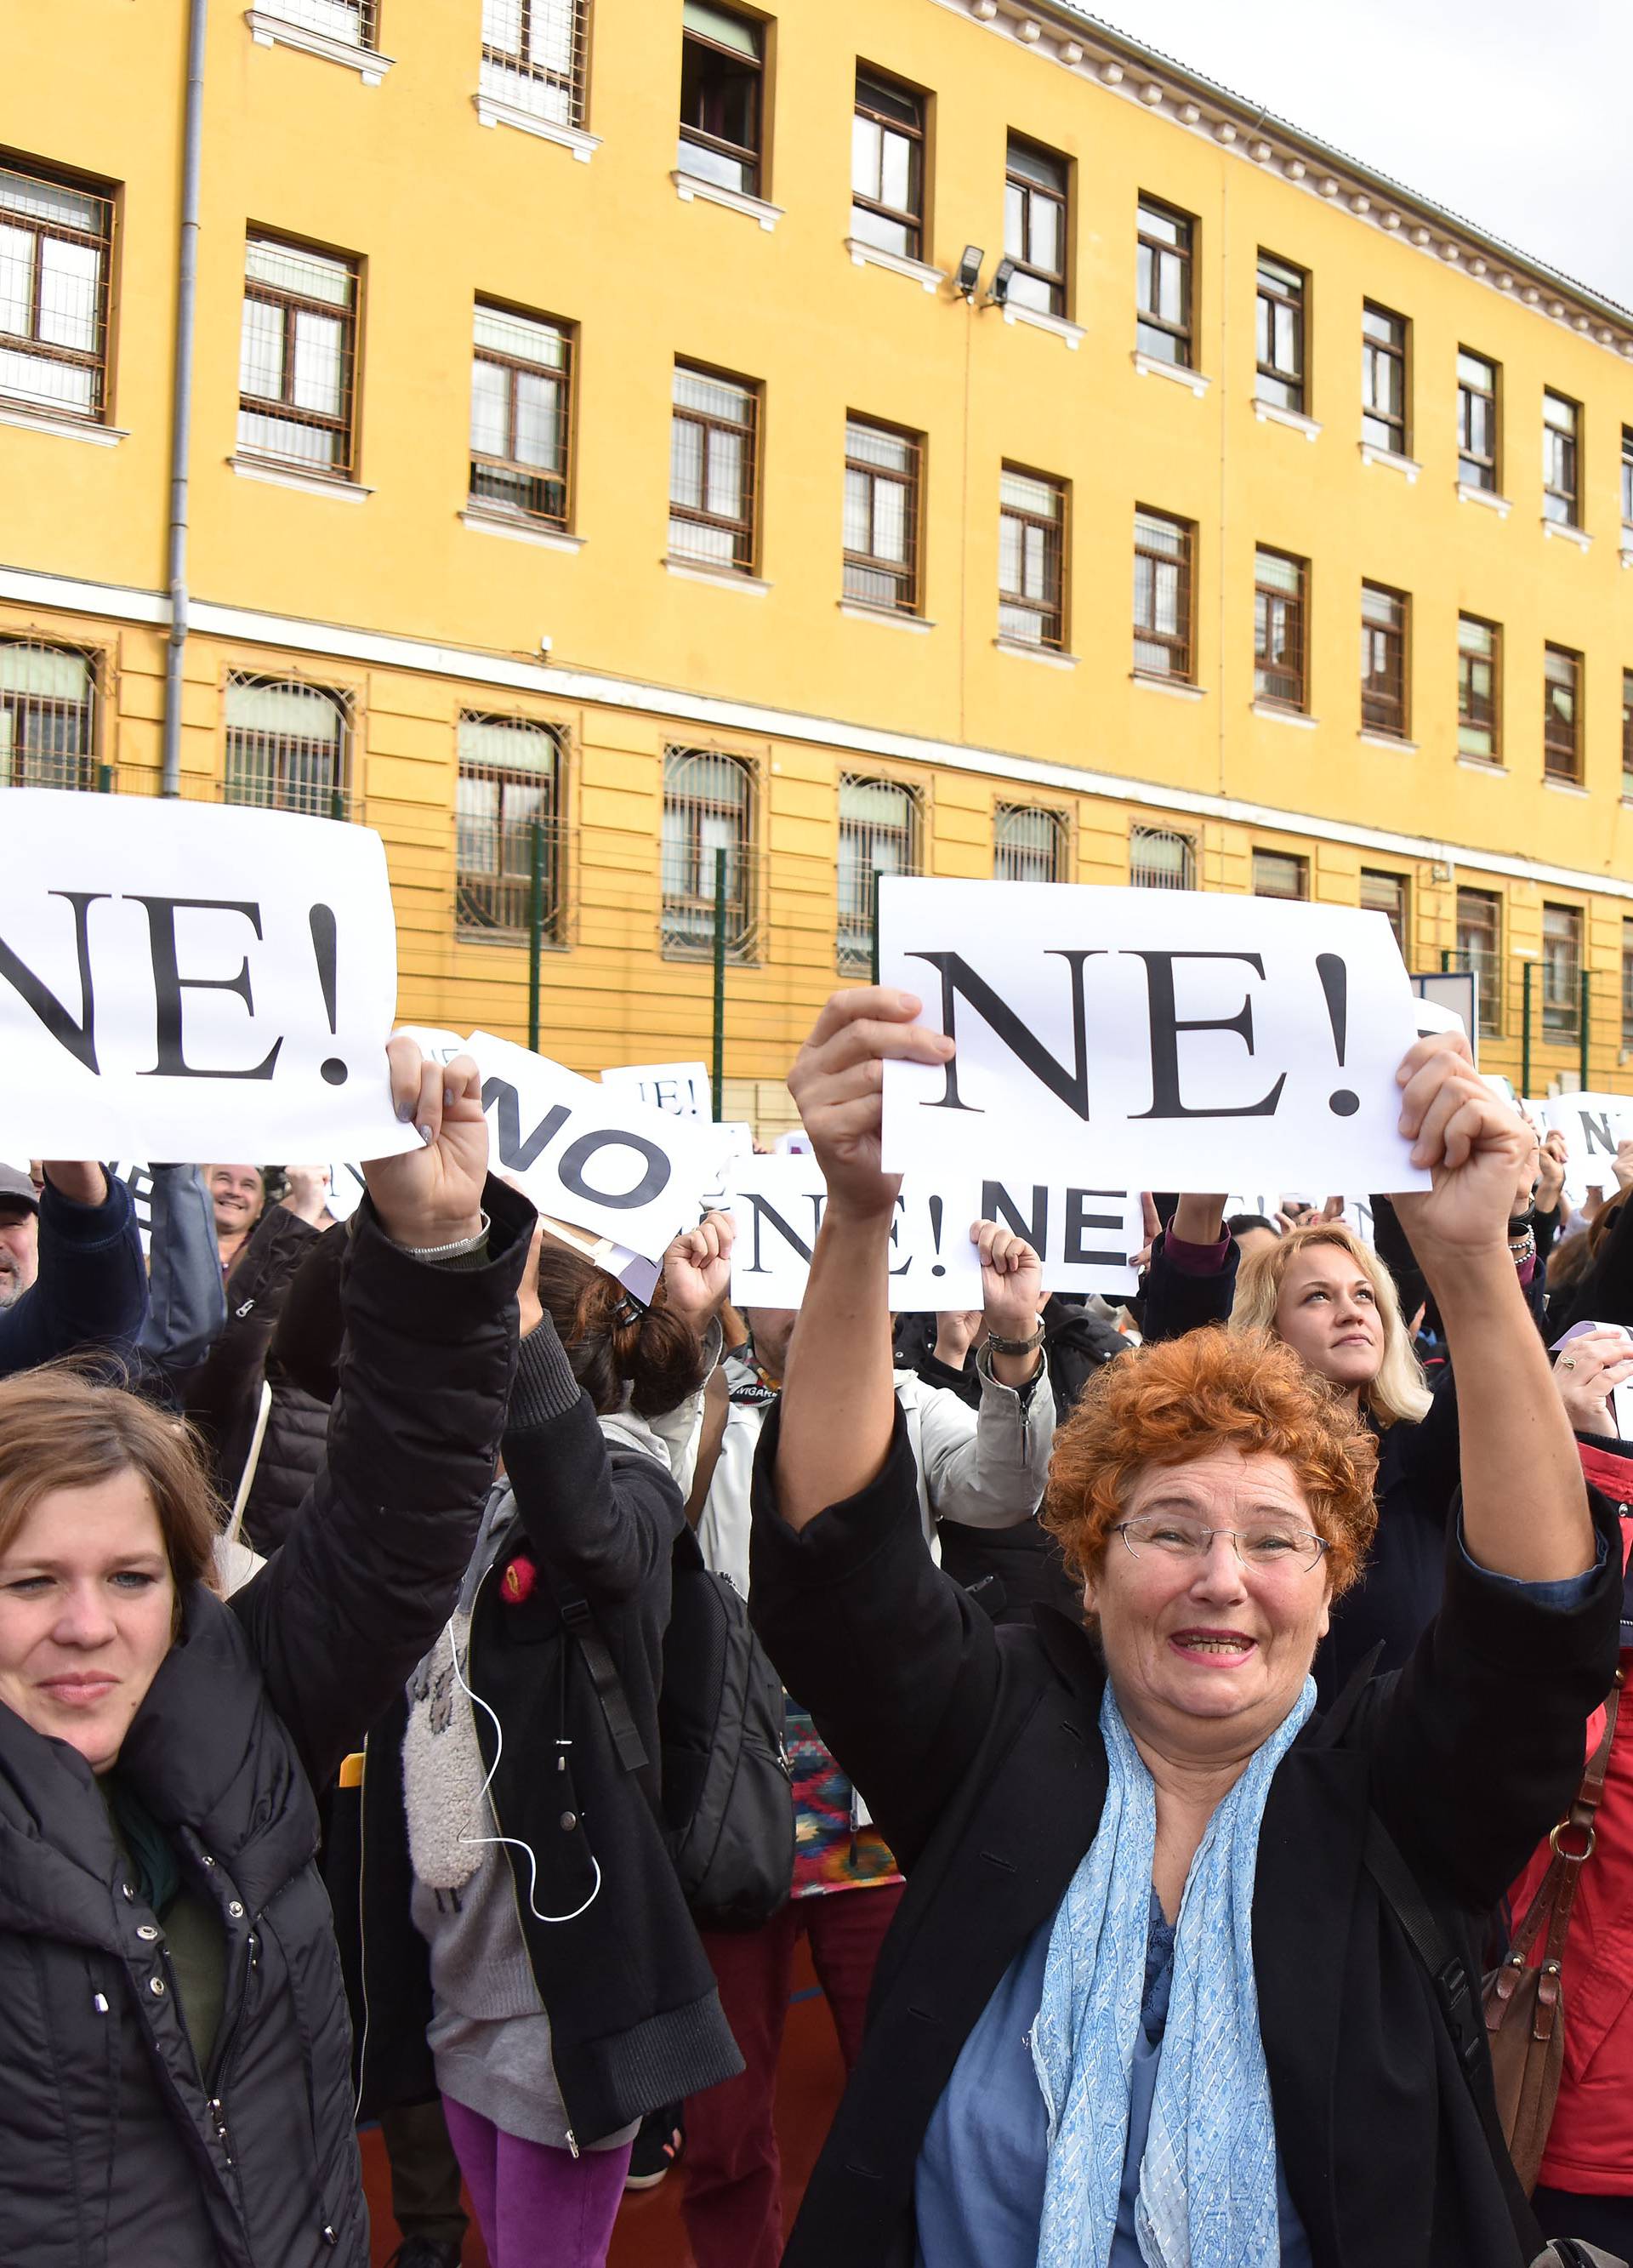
[1626,477]
[1480,946]
[535,55]
[1562,972]
[1036,196]
[1383,380]
[1476,421]
[722,64]
[1280,874]
[1383,661]
[878,834]
[1385,893]
[1164,325]
[521,415]
[49,702]
[1029,844]
[881,524]
[296,358]
[712,472]
[55,242]
[356,22]
[1562,717]
[709,805]
[1159,859]
[1032,552]
[1561,500]
[1627,734]
[508,784]
[1479,676]
[1279,583]
[1162,595]
[887,166]
[1280,334]
[288,746]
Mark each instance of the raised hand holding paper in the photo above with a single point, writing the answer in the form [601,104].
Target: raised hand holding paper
[1162,1039]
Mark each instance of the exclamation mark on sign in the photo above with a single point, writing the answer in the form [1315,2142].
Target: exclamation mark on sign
[321,920]
[935,1230]
[1336,984]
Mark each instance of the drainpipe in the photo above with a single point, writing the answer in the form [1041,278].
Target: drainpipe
[181,399]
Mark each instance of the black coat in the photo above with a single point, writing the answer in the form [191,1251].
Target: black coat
[979,1753]
[114,2148]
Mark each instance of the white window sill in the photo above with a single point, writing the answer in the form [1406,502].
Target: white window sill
[1177,689]
[1488,765]
[493,110]
[1281,716]
[1153,366]
[273,31]
[1046,654]
[1580,536]
[1070,335]
[289,476]
[688,186]
[1563,787]
[874,255]
[1490,497]
[71,428]
[1271,413]
[522,531]
[859,611]
[1391,740]
[728,579]
[1371,454]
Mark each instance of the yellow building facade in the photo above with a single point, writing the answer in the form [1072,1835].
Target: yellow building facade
[620,403]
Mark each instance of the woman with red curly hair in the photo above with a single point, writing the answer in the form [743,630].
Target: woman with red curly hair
[1146,2000]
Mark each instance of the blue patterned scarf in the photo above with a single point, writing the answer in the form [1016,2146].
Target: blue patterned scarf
[1207,2196]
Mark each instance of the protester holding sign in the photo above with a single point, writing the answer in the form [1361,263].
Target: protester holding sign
[72,1260]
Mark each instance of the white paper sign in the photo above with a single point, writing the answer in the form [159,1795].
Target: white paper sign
[682,1089]
[1593,1125]
[1084,1237]
[193,980]
[1163,1039]
[139,1181]
[776,1204]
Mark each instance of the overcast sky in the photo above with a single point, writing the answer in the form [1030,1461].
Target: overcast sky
[1513,112]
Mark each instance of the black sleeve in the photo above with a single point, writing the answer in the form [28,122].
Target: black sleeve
[222,1396]
[1177,1302]
[1604,1293]
[91,1292]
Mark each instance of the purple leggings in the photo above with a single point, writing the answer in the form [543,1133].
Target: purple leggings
[535,2205]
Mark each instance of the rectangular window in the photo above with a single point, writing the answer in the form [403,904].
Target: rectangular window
[1165,329]
[1163,549]
[56,241]
[287,745]
[521,413]
[722,96]
[878,834]
[1035,191]
[1283,294]
[1562,972]
[708,808]
[1028,844]
[296,357]
[1383,660]
[881,516]
[1159,859]
[506,815]
[48,716]
[534,54]
[887,166]
[1476,421]
[1627,482]
[1383,893]
[1278,629]
[1032,552]
[1562,464]
[1280,874]
[1480,948]
[1627,981]
[1479,689]
[711,469]
[354,21]
[1627,736]
[1383,380]
[1561,713]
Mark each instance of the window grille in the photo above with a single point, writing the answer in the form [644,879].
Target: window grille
[1627,481]
[1159,859]
[1165,327]
[521,415]
[1278,655]
[1476,421]
[534,54]
[1029,844]
[1383,661]
[1627,736]
[1562,971]
[296,357]
[878,831]
[1383,893]
[1383,380]
[48,715]
[1479,689]
[709,807]
[1561,713]
[722,67]
[356,22]
[509,782]
[887,166]
[55,241]
[1561,474]
[1162,595]
[712,469]
[1032,558]
[1283,292]
[1280,874]
[881,516]
[1035,191]
[288,746]
[1480,948]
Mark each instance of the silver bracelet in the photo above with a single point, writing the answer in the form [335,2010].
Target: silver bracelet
[455,1251]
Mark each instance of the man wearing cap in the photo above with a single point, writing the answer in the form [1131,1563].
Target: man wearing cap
[71,1273]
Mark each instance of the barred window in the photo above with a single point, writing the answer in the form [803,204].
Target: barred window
[287,745]
[1383,380]
[1627,981]
[1278,630]
[534,53]
[1480,948]
[1383,893]
[508,808]
[521,415]
[48,716]
[1562,971]
[711,469]
[55,241]
[878,834]
[1476,421]
[1283,295]
[1036,188]
[1028,844]
[1561,713]
[1162,595]
[1383,660]
[1561,498]
[1280,874]
[881,516]
[1165,325]
[722,96]
[709,807]
[1627,736]
[887,166]
[1627,481]
[1159,859]
[1479,689]
[354,21]
[1031,557]
[296,357]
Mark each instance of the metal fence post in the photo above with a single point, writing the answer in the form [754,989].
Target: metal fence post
[718,1067]
[337,803]
[874,886]
[1587,1028]
[1526,968]
[535,930]
[105,779]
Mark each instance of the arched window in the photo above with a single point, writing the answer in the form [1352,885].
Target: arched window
[509,786]
[286,747]
[48,716]
[1158,859]
[709,807]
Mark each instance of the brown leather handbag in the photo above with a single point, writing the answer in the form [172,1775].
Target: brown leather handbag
[1524,2005]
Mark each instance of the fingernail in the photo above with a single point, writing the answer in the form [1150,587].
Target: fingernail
[447,1098]
[425,1135]
[405,1111]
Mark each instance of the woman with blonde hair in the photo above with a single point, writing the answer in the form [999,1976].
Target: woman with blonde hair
[1332,1299]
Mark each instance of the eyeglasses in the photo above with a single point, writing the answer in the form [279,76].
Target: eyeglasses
[1267,1546]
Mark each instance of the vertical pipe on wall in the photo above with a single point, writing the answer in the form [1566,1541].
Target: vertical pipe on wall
[719,1065]
[1526,968]
[1587,1010]
[535,931]
[181,395]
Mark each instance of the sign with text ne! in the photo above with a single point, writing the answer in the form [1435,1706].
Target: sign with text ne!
[777,1204]
[189,980]
[1593,1125]
[1159,1039]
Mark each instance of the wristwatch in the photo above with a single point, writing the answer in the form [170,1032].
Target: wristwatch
[1017,1346]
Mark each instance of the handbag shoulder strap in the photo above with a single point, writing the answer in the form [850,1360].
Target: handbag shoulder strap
[1558,1886]
[580,1622]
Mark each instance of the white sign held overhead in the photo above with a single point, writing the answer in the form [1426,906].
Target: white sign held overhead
[682,1089]
[1593,1125]
[1085,1238]
[185,980]
[777,1204]
[1162,1039]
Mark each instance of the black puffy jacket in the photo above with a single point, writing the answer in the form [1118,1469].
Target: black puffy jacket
[115,2150]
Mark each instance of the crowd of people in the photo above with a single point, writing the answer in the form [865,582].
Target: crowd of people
[439,1688]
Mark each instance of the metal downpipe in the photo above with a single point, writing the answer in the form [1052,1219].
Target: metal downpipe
[182,396]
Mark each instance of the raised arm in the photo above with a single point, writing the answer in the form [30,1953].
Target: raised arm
[987,1468]
[91,1292]
[187,1305]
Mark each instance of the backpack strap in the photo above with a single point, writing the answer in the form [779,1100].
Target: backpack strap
[609,1691]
